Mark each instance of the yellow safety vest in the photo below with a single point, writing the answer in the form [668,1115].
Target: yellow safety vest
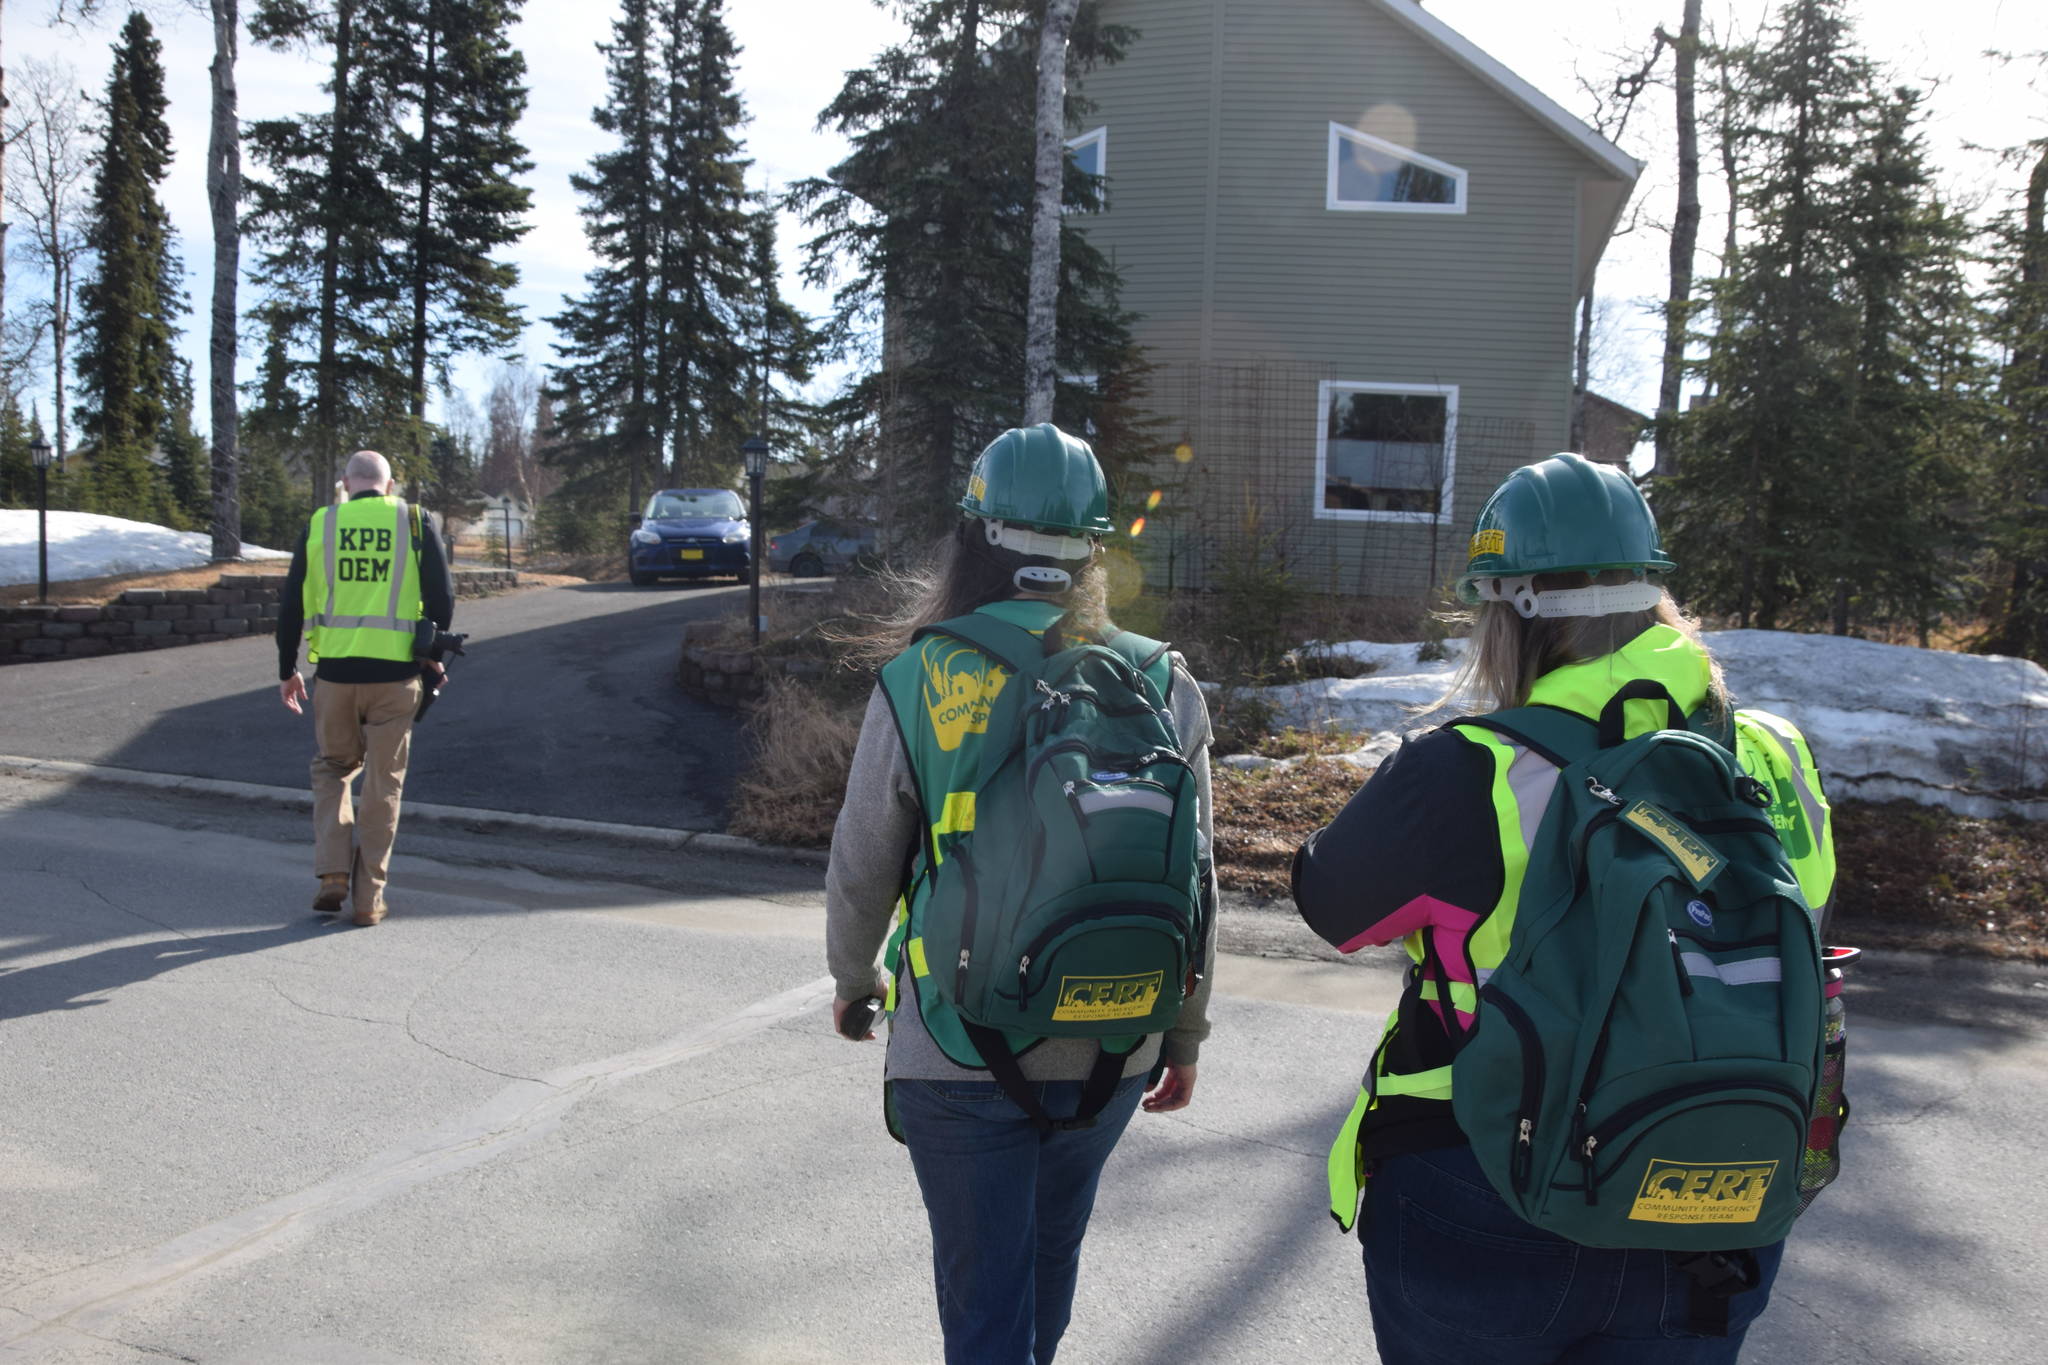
[362,593]
[1768,748]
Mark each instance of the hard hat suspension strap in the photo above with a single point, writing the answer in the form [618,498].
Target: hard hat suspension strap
[1601,599]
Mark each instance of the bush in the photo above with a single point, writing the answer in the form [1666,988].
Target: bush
[803,739]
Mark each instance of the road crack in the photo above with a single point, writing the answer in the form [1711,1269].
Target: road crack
[287,997]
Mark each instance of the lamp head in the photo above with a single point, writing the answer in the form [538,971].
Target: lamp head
[755,453]
[39,452]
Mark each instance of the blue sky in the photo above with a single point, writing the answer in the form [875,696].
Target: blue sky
[796,51]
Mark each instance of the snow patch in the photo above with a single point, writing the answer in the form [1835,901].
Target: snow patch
[1961,731]
[88,545]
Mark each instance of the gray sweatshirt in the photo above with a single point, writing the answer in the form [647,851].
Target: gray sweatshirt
[873,843]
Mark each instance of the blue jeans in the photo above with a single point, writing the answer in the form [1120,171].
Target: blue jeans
[1453,1274]
[1007,1208]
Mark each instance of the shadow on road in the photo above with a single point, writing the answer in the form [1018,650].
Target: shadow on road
[565,704]
[71,983]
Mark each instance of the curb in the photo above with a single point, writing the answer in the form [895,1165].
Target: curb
[464,817]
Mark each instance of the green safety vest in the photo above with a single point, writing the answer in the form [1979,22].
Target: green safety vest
[941,692]
[1768,748]
[362,593]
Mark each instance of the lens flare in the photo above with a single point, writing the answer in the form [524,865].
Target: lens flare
[1138,527]
[1183,452]
[1152,500]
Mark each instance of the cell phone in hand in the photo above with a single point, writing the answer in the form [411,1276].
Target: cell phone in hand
[859,1019]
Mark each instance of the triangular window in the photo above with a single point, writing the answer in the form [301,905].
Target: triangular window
[1371,174]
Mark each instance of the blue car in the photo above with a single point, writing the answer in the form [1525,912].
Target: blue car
[690,533]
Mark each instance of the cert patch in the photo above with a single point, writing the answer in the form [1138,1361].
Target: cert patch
[1694,856]
[1679,1192]
[1085,998]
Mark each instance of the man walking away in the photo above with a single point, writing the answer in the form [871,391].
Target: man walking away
[367,578]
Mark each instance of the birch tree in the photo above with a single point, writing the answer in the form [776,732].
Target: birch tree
[1049,180]
[223,199]
[46,179]
[1685,231]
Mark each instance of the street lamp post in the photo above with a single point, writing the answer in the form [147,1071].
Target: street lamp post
[39,451]
[755,453]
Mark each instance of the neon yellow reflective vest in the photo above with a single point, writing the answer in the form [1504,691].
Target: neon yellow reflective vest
[362,593]
[1768,747]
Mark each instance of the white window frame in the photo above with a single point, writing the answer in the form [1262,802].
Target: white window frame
[1100,137]
[1328,389]
[1340,134]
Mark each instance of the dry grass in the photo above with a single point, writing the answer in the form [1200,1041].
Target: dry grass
[803,738]
[93,592]
[1262,818]
[1912,876]
[1908,876]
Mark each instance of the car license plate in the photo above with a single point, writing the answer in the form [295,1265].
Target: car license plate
[690,554]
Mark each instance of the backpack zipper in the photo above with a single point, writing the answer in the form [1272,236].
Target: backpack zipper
[967,917]
[1607,1130]
[1523,1157]
[1685,986]
[1067,921]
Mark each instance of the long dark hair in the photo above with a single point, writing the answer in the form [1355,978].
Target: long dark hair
[963,573]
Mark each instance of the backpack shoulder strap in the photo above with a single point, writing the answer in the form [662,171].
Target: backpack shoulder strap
[1562,737]
[1146,655]
[1014,647]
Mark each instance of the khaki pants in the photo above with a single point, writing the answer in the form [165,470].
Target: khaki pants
[367,727]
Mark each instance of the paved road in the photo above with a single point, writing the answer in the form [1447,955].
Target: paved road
[565,705]
[545,1115]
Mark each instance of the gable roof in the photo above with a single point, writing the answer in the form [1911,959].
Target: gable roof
[1540,106]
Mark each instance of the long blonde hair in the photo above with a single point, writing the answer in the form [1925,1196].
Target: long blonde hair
[1507,654]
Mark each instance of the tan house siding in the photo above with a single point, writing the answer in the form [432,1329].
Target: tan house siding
[1260,275]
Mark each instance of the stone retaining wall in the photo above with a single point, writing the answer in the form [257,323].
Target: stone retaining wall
[731,677]
[159,618]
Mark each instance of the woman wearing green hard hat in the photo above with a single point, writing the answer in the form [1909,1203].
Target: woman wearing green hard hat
[1470,848]
[1008,1130]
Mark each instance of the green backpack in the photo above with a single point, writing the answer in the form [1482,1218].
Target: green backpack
[1076,908]
[1643,1063]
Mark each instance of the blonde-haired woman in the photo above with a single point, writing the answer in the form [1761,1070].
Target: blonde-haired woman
[1564,571]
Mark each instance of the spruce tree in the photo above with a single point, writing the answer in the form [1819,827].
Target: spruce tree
[928,220]
[128,307]
[17,466]
[1823,482]
[681,332]
[461,203]
[327,213]
[2017,487]
[607,388]
[706,251]
[184,452]
[1759,463]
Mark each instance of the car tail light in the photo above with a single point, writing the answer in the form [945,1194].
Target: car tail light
[773,546]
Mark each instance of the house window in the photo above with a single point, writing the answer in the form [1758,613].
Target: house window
[1371,175]
[1090,152]
[1385,452]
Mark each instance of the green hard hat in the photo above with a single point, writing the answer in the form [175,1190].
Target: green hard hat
[1040,477]
[1558,515]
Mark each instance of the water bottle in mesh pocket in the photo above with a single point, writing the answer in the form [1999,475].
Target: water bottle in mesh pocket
[1822,1161]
